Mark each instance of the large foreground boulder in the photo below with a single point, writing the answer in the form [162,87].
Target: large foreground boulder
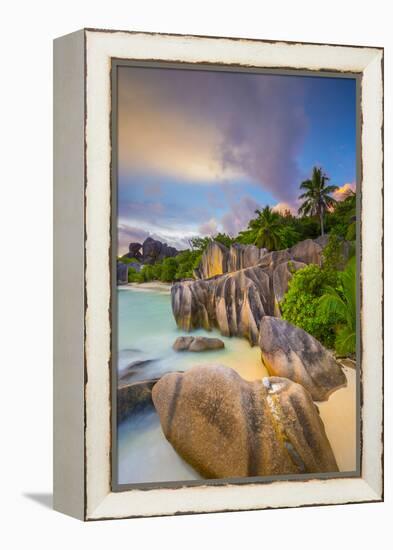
[234,303]
[227,427]
[197,343]
[291,352]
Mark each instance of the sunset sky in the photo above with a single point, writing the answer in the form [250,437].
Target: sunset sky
[199,151]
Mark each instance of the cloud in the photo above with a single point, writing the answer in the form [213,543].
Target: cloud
[283,207]
[208,126]
[209,228]
[239,215]
[343,191]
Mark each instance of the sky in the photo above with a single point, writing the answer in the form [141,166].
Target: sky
[199,151]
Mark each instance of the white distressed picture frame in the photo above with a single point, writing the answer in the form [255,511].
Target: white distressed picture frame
[82,244]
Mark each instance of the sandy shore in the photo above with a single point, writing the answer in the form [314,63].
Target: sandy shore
[153,285]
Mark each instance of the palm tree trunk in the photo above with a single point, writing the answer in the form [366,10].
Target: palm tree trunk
[321,220]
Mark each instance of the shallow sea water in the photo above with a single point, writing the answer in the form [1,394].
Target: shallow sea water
[146,332]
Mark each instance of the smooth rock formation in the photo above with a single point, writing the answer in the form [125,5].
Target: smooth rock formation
[197,343]
[272,259]
[282,274]
[214,261]
[241,256]
[234,303]
[218,259]
[291,352]
[227,427]
[308,252]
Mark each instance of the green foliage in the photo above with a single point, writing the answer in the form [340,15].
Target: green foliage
[126,260]
[316,197]
[134,276]
[201,243]
[301,304]
[342,220]
[339,303]
[168,270]
[289,236]
[265,230]
[332,254]
[287,229]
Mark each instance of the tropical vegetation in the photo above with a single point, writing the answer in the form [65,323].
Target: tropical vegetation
[320,299]
[317,199]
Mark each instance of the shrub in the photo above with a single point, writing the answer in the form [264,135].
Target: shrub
[339,303]
[301,304]
[134,276]
[126,260]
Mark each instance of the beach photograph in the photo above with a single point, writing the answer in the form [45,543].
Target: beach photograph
[235,311]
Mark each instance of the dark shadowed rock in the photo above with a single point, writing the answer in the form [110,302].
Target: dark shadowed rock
[155,251]
[136,266]
[282,274]
[291,352]
[134,250]
[308,252]
[122,272]
[227,427]
[234,303]
[134,397]
[197,343]
[322,240]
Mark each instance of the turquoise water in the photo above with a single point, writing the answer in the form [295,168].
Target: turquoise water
[147,331]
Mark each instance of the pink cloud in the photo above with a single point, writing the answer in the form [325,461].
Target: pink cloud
[343,191]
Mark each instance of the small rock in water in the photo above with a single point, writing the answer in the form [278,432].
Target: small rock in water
[197,343]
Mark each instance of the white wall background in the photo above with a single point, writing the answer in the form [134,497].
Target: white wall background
[28,28]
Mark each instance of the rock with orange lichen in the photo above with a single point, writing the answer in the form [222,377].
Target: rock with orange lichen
[227,427]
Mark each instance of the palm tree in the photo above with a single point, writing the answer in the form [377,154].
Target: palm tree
[317,197]
[340,303]
[267,228]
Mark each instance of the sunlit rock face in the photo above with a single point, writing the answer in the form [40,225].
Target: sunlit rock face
[236,287]
[227,427]
[244,255]
[214,261]
[234,303]
[291,352]
[218,259]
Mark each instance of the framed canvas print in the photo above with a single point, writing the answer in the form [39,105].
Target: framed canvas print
[218,274]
